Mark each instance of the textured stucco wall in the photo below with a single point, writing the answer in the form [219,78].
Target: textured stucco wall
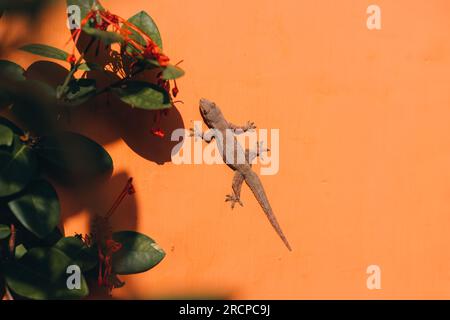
[365,150]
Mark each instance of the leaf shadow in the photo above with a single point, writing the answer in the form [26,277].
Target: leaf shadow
[46,71]
[135,126]
[112,119]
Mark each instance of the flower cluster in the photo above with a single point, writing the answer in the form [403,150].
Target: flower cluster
[104,20]
[101,236]
[138,51]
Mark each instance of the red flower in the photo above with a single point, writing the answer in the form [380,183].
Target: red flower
[71,59]
[102,20]
[105,259]
[175,89]
[106,245]
[153,51]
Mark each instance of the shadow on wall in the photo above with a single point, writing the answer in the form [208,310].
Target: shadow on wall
[135,131]
[98,199]
[105,118]
[18,17]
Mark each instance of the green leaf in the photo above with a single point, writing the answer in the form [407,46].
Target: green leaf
[38,208]
[17,168]
[20,251]
[143,95]
[9,72]
[85,6]
[106,37]
[42,274]
[146,24]
[46,51]
[6,136]
[172,72]
[8,123]
[6,98]
[4,231]
[83,256]
[151,64]
[30,240]
[73,158]
[79,91]
[139,253]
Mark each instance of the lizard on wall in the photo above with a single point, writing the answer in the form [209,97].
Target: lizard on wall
[231,153]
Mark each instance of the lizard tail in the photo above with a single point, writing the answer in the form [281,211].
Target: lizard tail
[254,183]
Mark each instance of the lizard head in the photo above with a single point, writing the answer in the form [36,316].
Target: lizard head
[209,112]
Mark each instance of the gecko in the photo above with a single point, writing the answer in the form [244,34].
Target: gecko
[236,158]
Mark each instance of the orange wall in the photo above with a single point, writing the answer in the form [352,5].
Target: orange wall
[365,150]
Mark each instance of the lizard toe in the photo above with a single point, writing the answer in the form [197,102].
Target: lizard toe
[233,199]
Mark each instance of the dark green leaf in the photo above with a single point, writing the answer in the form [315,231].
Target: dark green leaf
[35,106]
[17,168]
[30,240]
[73,158]
[4,231]
[38,208]
[5,98]
[146,24]
[172,72]
[83,256]
[139,253]
[143,95]
[41,274]
[90,66]
[6,136]
[46,51]
[9,72]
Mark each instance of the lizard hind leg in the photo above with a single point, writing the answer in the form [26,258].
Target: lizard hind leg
[251,155]
[238,179]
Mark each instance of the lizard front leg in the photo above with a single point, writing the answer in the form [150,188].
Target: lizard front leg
[238,179]
[197,133]
[251,155]
[240,129]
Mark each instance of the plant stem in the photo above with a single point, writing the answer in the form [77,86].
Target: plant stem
[69,76]
[12,240]
[119,82]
